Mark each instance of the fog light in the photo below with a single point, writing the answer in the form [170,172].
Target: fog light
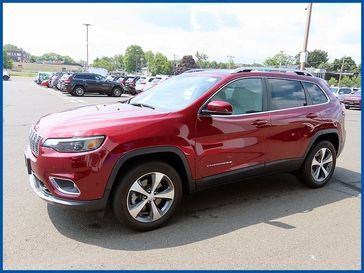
[65,185]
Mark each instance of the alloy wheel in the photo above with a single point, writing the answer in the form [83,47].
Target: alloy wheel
[150,197]
[321,164]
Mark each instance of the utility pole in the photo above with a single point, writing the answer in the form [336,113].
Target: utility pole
[303,56]
[341,72]
[87,25]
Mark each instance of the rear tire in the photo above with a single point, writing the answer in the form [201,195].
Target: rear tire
[147,195]
[79,91]
[116,92]
[319,165]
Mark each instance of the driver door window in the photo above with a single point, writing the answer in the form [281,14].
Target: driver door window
[245,95]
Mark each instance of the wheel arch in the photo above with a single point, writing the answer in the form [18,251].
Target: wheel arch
[171,155]
[331,135]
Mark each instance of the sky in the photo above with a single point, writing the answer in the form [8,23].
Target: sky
[249,32]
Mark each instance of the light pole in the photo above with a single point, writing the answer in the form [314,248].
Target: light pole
[303,57]
[87,25]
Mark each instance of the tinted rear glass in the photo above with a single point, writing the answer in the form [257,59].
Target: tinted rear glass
[84,77]
[316,94]
[286,94]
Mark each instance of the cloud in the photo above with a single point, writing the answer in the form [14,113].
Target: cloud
[167,16]
[250,32]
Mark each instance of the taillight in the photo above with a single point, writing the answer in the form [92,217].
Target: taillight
[67,81]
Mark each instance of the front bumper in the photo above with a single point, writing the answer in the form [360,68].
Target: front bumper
[40,189]
[39,171]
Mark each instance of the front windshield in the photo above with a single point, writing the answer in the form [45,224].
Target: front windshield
[175,93]
[333,89]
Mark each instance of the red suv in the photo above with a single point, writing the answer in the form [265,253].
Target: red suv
[193,131]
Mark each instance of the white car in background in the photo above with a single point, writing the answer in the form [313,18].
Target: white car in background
[142,83]
[155,81]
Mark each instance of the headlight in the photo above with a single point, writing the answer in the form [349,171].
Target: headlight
[74,145]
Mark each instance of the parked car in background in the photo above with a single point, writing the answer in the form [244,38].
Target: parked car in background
[45,83]
[128,84]
[191,132]
[142,83]
[352,100]
[80,83]
[341,91]
[41,76]
[155,81]
[6,75]
[61,82]
[55,78]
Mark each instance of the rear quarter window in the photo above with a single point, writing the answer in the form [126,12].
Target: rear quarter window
[316,94]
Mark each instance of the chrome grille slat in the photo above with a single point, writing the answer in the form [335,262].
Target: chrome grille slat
[34,141]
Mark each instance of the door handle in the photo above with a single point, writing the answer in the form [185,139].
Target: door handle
[311,115]
[259,122]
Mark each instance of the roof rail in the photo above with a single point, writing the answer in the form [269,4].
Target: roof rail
[271,69]
[195,70]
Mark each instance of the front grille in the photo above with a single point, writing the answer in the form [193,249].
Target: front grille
[34,140]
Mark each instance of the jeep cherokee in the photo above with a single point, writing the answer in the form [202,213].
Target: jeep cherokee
[191,132]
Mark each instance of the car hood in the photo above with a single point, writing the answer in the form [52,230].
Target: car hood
[93,119]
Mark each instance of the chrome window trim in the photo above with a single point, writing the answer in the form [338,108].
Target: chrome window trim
[263,112]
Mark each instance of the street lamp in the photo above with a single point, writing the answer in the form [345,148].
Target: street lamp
[303,56]
[87,25]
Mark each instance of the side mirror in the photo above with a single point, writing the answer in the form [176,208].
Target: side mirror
[218,108]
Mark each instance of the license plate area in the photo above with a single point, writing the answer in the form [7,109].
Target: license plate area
[27,165]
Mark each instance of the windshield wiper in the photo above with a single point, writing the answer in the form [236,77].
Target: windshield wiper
[142,105]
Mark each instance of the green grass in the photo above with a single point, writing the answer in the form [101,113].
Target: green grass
[22,74]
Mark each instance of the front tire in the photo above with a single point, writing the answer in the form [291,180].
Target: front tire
[147,195]
[319,165]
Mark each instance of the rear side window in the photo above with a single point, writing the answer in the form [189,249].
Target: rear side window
[286,94]
[316,94]
[84,77]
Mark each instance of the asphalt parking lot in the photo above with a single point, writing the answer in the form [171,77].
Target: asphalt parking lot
[266,223]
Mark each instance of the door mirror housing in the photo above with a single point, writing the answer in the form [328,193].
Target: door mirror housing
[218,107]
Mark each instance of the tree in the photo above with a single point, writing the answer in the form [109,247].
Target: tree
[105,62]
[187,62]
[54,57]
[7,61]
[279,60]
[317,57]
[133,58]
[118,61]
[161,65]
[9,47]
[356,81]
[349,64]
[333,81]
[202,60]
[346,81]
[326,66]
